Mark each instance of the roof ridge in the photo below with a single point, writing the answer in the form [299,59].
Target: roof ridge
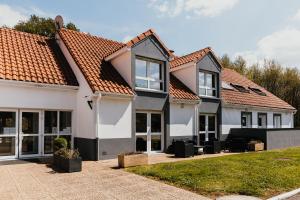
[22,32]
[194,52]
[95,36]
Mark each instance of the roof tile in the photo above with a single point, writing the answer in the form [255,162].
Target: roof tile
[32,58]
[251,98]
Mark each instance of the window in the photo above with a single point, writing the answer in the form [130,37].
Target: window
[258,91]
[277,120]
[207,84]
[240,88]
[149,74]
[8,132]
[262,120]
[148,131]
[56,123]
[246,120]
[207,127]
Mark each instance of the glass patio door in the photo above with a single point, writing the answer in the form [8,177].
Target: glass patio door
[149,137]
[29,135]
[207,126]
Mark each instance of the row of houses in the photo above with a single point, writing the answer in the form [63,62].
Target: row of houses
[108,97]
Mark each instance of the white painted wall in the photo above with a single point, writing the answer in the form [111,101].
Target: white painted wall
[30,97]
[231,118]
[188,76]
[182,120]
[115,118]
[123,65]
[85,117]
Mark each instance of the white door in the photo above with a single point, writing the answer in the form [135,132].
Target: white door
[149,132]
[208,125]
[30,133]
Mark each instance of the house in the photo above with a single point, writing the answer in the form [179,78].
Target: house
[248,105]
[108,97]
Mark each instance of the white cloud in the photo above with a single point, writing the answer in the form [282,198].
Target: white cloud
[10,16]
[296,16]
[283,46]
[207,8]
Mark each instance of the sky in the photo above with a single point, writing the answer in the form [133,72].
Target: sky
[254,29]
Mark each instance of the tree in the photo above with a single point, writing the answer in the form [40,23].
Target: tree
[41,25]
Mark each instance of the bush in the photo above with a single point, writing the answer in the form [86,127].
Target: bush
[67,153]
[60,143]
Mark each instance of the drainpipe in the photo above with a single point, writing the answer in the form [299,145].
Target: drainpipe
[98,97]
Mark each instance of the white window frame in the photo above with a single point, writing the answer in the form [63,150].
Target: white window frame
[148,78]
[206,131]
[205,87]
[149,133]
[16,135]
[277,115]
[251,119]
[58,133]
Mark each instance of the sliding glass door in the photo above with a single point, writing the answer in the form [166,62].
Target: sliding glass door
[30,132]
[149,137]
[8,134]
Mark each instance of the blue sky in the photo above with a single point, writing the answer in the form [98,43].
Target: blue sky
[255,29]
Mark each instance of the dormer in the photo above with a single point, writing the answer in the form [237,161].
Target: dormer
[144,63]
[200,71]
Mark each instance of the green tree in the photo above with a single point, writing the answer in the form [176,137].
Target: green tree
[240,65]
[41,25]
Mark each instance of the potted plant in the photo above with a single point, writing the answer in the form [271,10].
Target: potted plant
[69,160]
[132,159]
[256,145]
[65,158]
[59,143]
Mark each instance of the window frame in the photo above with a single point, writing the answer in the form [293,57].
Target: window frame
[148,78]
[265,114]
[205,87]
[251,125]
[58,133]
[277,115]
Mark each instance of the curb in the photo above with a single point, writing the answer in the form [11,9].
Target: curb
[285,195]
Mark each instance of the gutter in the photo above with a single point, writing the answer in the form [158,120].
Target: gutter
[114,95]
[37,85]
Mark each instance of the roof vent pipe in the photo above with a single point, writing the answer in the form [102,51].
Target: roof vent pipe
[59,22]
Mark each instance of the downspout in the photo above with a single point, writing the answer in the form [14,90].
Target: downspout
[98,98]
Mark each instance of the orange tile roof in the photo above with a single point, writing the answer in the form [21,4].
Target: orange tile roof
[179,91]
[89,52]
[148,33]
[195,56]
[251,99]
[33,58]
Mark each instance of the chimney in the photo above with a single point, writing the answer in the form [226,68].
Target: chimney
[59,22]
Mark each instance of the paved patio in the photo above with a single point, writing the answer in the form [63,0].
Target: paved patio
[26,180]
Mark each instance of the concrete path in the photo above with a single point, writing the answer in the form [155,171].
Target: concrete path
[24,180]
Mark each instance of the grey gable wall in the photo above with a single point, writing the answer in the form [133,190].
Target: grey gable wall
[151,101]
[211,105]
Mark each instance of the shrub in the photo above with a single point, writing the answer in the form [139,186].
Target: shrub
[67,153]
[60,143]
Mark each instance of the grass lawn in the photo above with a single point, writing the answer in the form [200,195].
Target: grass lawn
[262,174]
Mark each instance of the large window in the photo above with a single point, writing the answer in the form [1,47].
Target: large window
[8,132]
[246,120]
[56,123]
[207,84]
[149,75]
[277,120]
[207,127]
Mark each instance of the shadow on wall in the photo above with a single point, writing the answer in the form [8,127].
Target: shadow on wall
[112,111]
